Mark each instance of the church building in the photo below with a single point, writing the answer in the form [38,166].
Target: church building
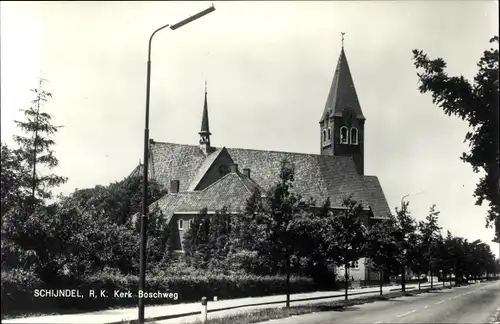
[206,176]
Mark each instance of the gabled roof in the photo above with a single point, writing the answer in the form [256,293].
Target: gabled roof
[231,191]
[316,176]
[342,92]
[202,170]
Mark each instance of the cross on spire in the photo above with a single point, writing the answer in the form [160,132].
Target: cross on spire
[342,39]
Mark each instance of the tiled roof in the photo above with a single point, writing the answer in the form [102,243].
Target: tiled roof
[175,162]
[316,176]
[342,93]
[137,171]
[375,196]
[204,168]
[231,191]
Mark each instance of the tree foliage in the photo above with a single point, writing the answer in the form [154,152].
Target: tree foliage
[405,237]
[477,103]
[428,235]
[346,237]
[381,247]
[206,241]
[82,234]
[35,150]
[11,174]
[277,233]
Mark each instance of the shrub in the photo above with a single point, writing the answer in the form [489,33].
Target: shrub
[19,286]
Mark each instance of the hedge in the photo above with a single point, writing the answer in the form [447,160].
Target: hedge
[18,290]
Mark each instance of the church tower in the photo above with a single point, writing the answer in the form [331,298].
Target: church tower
[205,131]
[342,124]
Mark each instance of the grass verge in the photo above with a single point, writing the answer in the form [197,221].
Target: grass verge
[267,314]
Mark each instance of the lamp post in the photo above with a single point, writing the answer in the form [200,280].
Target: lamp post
[144,216]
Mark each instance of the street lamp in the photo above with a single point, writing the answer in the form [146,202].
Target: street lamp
[144,216]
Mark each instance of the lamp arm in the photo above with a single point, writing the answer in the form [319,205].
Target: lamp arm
[151,39]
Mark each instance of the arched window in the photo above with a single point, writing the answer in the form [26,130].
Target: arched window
[329,133]
[354,136]
[343,135]
[324,135]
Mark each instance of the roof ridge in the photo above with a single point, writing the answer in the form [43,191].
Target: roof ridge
[262,150]
[171,143]
[243,183]
[215,182]
[296,153]
[241,177]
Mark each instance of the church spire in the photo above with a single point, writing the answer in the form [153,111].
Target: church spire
[342,93]
[205,129]
[342,124]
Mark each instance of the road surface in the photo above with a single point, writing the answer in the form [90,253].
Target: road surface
[190,312]
[469,304]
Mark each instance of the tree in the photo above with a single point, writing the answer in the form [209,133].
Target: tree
[346,237]
[206,243]
[481,258]
[11,179]
[282,206]
[35,150]
[477,103]
[430,233]
[80,234]
[117,201]
[417,261]
[445,255]
[196,240]
[249,248]
[307,238]
[404,236]
[381,248]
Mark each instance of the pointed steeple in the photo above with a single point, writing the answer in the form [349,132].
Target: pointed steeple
[205,129]
[342,93]
[204,120]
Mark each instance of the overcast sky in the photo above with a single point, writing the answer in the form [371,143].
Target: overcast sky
[269,66]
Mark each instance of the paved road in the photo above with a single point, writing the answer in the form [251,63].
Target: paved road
[470,304]
[294,302]
[190,312]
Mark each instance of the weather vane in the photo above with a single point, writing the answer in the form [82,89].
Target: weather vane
[205,86]
[342,39]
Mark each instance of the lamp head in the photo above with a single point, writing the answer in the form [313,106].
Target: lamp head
[193,18]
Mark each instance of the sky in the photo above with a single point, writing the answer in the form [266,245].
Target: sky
[269,66]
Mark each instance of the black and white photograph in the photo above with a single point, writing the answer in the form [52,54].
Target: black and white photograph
[269,162]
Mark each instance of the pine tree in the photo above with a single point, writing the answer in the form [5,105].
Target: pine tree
[35,150]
